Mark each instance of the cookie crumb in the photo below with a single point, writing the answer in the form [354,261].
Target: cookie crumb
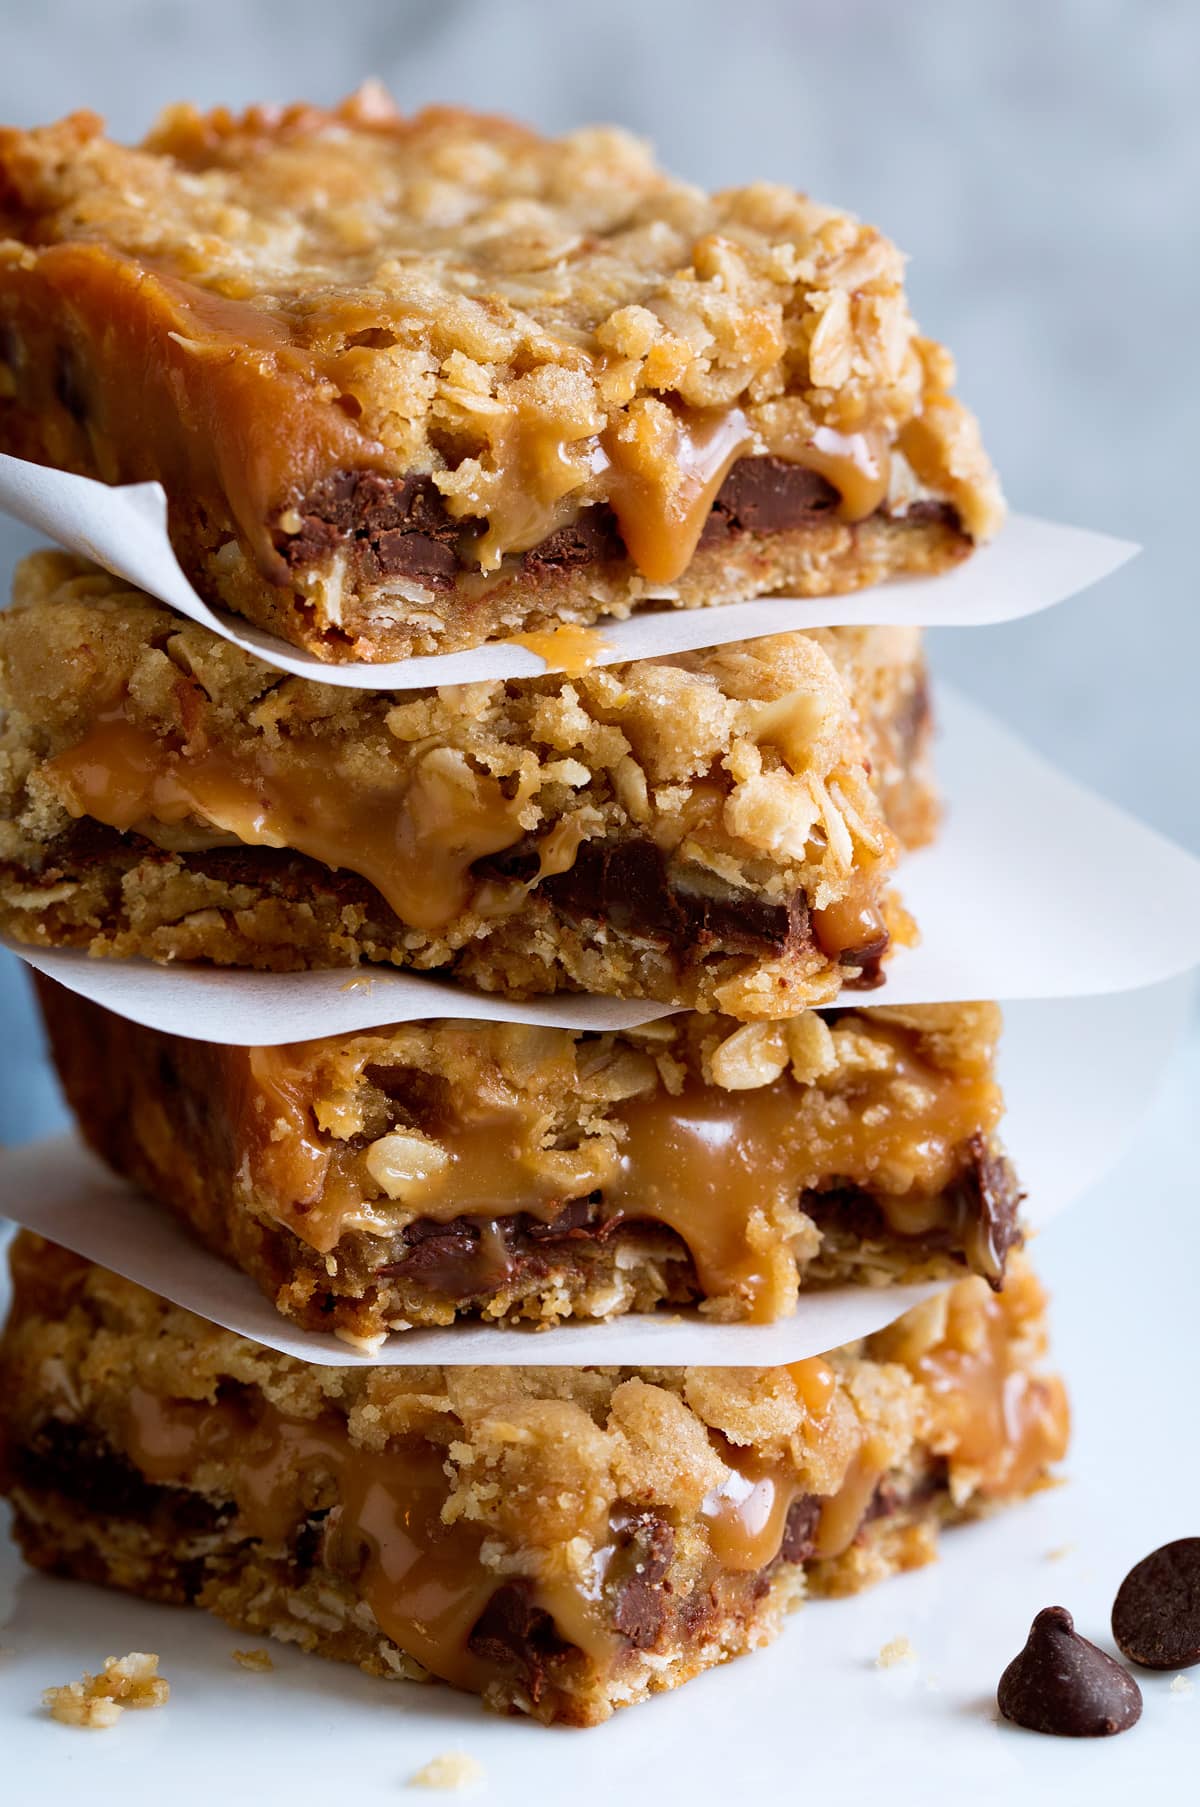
[258,1660]
[453,1769]
[1182,1684]
[899,1650]
[1063,1550]
[99,1700]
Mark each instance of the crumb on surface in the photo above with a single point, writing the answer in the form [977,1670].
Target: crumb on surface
[452,1769]
[1182,1684]
[898,1650]
[1057,1555]
[258,1660]
[98,1701]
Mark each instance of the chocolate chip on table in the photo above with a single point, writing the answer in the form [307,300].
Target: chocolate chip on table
[1156,1614]
[1063,1685]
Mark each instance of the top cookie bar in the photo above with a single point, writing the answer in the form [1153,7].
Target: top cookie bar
[411,384]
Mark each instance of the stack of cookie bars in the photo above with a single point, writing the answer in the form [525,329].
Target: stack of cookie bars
[413,385]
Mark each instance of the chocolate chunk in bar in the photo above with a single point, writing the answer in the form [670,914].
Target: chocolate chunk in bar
[628,885]
[442,430]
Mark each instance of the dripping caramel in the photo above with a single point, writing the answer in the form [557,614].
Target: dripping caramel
[701,1163]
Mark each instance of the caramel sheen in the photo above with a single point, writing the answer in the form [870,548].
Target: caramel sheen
[232,410]
[1006,1424]
[747,1515]
[224,406]
[843,1512]
[701,1163]
[815,1383]
[570,648]
[414,840]
[423,1579]
[661,519]
[858,465]
[320,1187]
[852,926]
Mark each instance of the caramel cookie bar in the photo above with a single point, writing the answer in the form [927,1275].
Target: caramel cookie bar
[411,384]
[415,1174]
[561,1541]
[709,830]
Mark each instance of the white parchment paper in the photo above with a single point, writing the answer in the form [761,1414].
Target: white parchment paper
[1078,1076]
[1031,565]
[1036,888]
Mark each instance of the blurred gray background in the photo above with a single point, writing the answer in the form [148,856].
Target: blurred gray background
[1039,163]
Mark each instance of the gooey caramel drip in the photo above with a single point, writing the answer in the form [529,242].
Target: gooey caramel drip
[424,1580]
[1006,1424]
[414,840]
[568,648]
[996,1424]
[226,406]
[699,1163]
[234,412]
[661,515]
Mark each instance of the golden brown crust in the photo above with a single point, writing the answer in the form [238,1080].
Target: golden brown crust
[738,792]
[540,333]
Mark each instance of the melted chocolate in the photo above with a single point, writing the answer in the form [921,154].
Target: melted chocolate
[399,527]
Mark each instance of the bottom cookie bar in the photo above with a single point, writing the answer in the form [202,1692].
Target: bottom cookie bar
[562,1541]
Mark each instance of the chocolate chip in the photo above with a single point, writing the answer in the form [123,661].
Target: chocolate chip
[513,1633]
[986,1196]
[768,495]
[643,1547]
[1063,1685]
[1156,1614]
[628,884]
[800,1529]
[592,539]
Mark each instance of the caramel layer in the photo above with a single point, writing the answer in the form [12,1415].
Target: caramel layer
[415,841]
[423,1579]
[423,1572]
[141,375]
[712,1165]
[232,410]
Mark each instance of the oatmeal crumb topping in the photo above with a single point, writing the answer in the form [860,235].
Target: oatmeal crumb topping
[97,1701]
[484,303]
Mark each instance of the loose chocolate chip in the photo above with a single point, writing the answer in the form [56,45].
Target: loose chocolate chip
[1156,1614]
[1063,1685]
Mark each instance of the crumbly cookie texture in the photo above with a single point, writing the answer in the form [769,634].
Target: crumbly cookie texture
[98,1701]
[449,1770]
[586,1536]
[417,1174]
[412,382]
[705,829]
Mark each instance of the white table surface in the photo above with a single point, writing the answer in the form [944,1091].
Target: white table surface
[814,1716]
